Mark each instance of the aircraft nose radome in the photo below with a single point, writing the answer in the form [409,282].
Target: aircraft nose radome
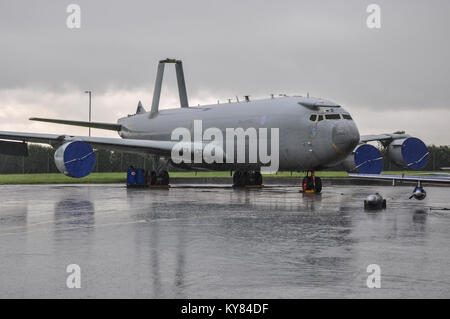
[345,137]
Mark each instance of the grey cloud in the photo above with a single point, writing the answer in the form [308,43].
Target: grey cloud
[235,47]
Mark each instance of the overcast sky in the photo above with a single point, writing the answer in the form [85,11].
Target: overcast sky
[393,78]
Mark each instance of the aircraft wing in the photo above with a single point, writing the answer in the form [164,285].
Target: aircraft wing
[409,178]
[163,148]
[51,139]
[382,137]
[436,174]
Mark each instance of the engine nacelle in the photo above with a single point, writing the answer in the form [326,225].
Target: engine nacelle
[410,152]
[75,159]
[365,159]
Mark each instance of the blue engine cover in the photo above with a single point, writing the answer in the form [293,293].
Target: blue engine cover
[410,152]
[75,159]
[368,159]
[415,153]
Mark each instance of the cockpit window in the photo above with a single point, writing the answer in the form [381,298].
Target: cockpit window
[320,118]
[346,116]
[313,117]
[333,117]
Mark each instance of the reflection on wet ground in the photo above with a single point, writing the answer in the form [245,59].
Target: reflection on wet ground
[218,242]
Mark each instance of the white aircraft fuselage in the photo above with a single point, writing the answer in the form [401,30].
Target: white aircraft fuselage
[309,136]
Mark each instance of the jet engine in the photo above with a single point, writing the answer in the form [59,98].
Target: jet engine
[365,159]
[75,159]
[410,152]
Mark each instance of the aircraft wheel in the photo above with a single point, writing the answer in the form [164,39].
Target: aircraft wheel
[304,184]
[307,184]
[237,179]
[384,204]
[246,179]
[318,185]
[152,178]
[258,178]
[164,178]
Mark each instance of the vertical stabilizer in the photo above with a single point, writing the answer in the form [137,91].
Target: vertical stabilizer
[140,109]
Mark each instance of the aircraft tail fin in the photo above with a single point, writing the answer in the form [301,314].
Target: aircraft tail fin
[98,125]
[140,109]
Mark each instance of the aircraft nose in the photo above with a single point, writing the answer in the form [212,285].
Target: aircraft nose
[345,137]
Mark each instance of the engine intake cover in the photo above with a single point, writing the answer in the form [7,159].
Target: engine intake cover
[366,159]
[410,152]
[75,159]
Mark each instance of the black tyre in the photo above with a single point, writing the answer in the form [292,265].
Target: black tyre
[245,179]
[152,178]
[164,178]
[237,179]
[307,184]
[318,185]
[258,178]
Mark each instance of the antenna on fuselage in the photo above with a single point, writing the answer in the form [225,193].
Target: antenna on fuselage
[158,84]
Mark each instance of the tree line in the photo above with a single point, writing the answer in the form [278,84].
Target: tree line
[40,160]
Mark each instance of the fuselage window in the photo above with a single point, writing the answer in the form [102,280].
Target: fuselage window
[346,116]
[333,117]
[320,118]
[313,117]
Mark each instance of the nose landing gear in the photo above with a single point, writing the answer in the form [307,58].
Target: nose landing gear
[311,183]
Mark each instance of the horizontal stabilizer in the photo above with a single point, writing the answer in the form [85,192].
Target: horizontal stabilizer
[98,125]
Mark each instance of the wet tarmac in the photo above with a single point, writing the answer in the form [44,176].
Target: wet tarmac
[194,241]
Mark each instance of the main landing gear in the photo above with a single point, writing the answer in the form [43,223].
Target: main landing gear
[158,178]
[246,178]
[311,183]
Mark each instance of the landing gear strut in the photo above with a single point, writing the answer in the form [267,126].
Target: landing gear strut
[311,183]
[245,178]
